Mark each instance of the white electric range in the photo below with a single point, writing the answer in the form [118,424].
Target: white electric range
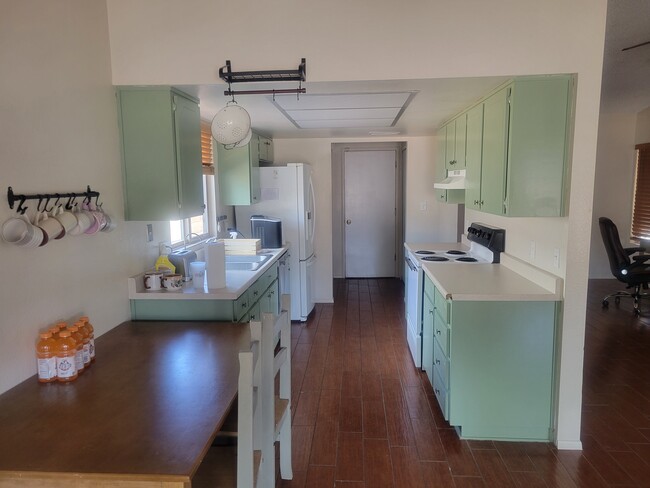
[486,245]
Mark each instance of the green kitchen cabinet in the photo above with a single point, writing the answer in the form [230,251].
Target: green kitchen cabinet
[445,196]
[455,136]
[270,301]
[427,335]
[160,134]
[239,175]
[266,149]
[473,157]
[523,163]
[493,366]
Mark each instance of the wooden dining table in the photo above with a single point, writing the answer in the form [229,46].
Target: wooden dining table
[143,415]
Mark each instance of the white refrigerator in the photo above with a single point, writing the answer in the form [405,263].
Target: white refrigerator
[287,193]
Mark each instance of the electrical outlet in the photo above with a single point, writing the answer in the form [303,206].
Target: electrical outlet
[531,253]
[163,247]
[149,232]
[556,257]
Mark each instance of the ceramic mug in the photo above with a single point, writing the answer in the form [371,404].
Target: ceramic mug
[18,231]
[172,282]
[152,281]
[67,219]
[52,226]
[84,221]
[39,217]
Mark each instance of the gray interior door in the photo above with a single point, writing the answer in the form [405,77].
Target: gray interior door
[370,214]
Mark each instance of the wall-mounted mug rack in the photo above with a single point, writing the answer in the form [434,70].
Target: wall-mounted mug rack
[12,198]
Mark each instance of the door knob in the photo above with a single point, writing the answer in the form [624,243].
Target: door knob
[348,221]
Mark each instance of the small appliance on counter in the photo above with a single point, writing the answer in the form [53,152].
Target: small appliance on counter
[268,230]
[181,260]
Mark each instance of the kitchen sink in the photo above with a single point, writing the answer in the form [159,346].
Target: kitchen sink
[242,266]
[235,262]
[257,258]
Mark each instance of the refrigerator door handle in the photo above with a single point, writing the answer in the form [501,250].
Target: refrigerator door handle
[312,215]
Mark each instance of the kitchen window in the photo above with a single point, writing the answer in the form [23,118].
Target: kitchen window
[196,229]
[641,204]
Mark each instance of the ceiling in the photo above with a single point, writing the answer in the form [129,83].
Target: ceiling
[418,107]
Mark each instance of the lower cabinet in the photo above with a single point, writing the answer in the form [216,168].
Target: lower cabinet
[262,296]
[491,366]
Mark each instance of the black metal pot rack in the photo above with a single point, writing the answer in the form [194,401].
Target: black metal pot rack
[12,198]
[230,77]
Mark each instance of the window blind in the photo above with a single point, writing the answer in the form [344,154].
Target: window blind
[206,148]
[641,206]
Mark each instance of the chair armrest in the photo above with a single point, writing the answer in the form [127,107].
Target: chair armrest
[631,250]
[642,258]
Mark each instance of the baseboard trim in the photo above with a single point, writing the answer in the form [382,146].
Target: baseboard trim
[569,445]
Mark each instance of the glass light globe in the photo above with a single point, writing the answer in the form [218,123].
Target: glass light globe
[231,124]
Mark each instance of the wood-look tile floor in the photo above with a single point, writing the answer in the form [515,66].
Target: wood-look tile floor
[365,417]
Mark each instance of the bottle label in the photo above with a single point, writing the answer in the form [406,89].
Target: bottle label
[46,368]
[92,348]
[79,360]
[86,353]
[65,367]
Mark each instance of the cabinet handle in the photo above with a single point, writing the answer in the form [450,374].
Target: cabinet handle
[437,361]
[430,312]
[475,202]
[244,305]
[255,293]
[437,391]
[452,162]
[481,203]
[438,331]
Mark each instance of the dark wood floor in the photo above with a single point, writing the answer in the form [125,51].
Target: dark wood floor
[365,417]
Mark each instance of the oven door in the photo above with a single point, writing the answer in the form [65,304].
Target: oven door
[413,299]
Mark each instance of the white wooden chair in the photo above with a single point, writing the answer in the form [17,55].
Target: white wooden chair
[227,466]
[276,423]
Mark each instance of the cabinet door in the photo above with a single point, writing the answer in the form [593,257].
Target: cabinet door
[473,156]
[269,303]
[493,168]
[537,147]
[440,172]
[427,336]
[187,125]
[266,149]
[450,145]
[459,142]
[148,156]
[238,169]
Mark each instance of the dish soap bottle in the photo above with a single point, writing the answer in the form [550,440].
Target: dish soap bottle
[163,263]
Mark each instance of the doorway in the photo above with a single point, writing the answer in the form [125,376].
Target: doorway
[367,220]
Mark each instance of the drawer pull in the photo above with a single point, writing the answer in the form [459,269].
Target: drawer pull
[430,312]
[437,361]
[438,331]
[437,391]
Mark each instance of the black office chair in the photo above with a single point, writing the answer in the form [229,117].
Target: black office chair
[633,272]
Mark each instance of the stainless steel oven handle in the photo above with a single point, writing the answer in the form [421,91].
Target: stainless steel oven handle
[410,264]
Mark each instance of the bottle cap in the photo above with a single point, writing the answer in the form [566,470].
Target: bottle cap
[73,328]
[61,324]
[45,335]
[84,319]
[53,330]
[64,333]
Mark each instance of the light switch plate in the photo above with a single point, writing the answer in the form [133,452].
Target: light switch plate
[149,232]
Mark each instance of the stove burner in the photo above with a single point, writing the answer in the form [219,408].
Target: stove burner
[456,253]
[422,253]
[467,260]
[434,258]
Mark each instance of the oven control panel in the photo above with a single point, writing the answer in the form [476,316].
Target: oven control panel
[493,238]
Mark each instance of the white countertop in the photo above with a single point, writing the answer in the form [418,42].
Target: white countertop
[236,283]
[510,280]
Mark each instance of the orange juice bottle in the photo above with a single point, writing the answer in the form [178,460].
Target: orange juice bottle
[65,354]
[91,331]
[79,350]
[46,358]
[85,335]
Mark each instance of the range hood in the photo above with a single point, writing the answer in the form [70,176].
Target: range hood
[455,180]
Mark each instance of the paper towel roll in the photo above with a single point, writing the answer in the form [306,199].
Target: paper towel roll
[215,268]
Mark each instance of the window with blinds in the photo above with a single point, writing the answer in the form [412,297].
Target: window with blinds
[206,148]
[641,205]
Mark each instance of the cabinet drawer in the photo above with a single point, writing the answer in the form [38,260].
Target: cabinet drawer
[240,306]
[254,312]
[442,305]
[441,332]
[441,394]
[441,363]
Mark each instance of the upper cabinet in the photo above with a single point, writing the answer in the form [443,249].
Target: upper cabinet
[266,149]
[160,132]
[516,148]
[239,175]
[445,196]
[455,139]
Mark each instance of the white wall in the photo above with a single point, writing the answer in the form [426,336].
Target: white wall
[155,42]
[58,132]
[642,135]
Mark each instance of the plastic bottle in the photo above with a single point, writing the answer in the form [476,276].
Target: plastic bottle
[85,335]
[91,330]
[75,333]
[46,358]
[65,353]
